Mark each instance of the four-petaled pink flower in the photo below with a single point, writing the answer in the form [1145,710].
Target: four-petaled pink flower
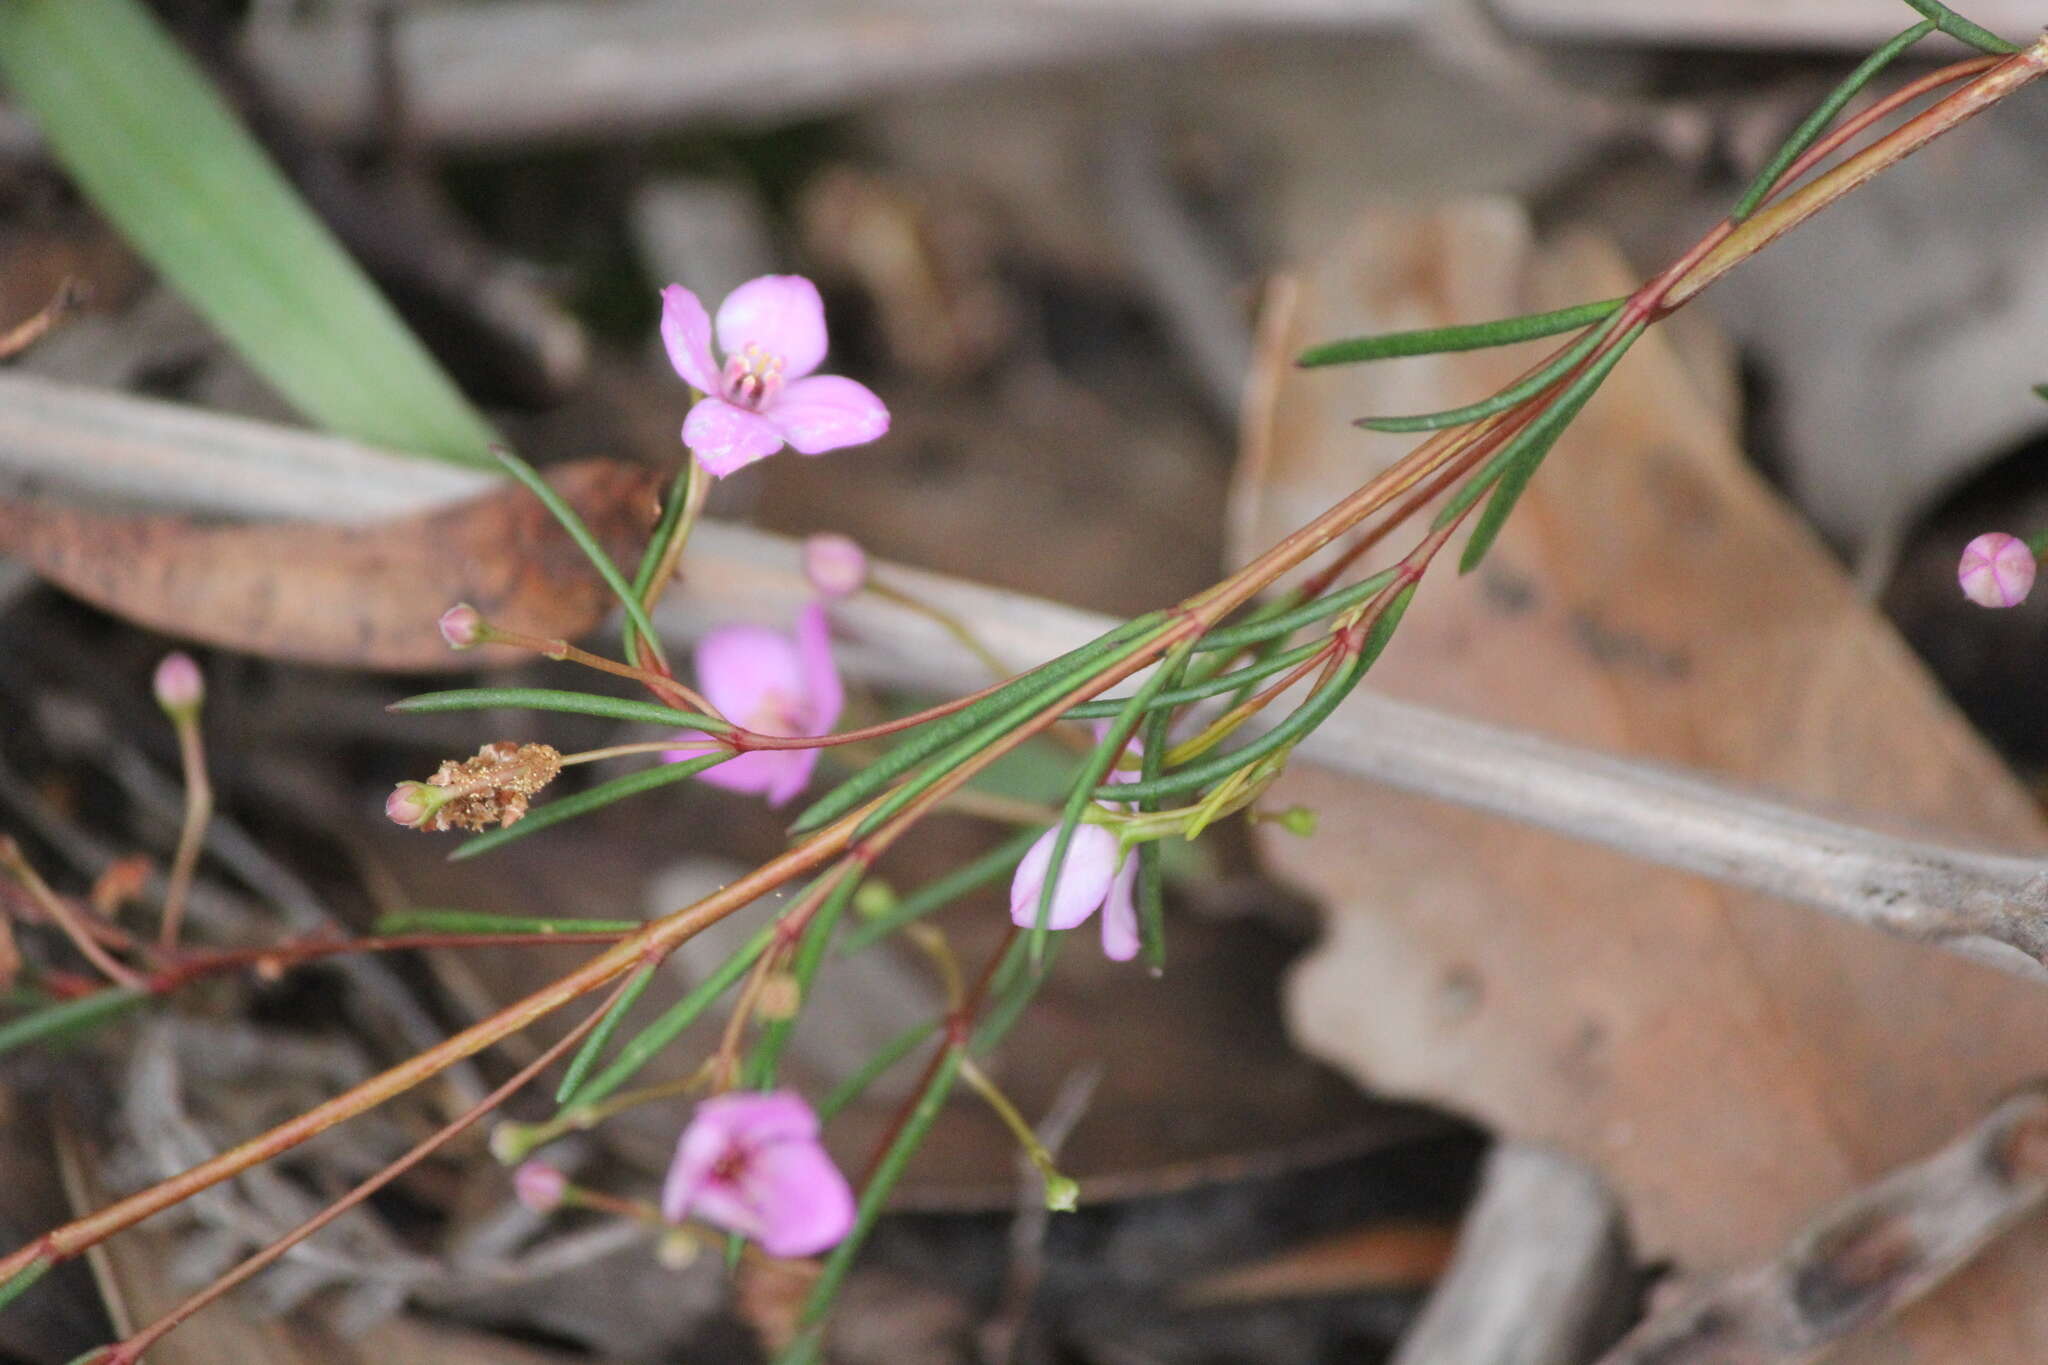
[751,1163]
[1997,570]
[772,331]
[1096,876]
[773,684]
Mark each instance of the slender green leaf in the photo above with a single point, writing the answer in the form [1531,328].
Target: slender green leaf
[892,1052]
[600,1038]
[1537,441]
[1540,432]
[1222,682]
[23,1279]
[1816,123]
[874,1196]
[403,923]
[1287,622]
[564,514]
[761,1067]
[551,699]
[569,807]
[1500,402]
[1469,336]
[657,544]
[649,1042]
[1962,30]
[1305,718]
[969,877]
[155,147]
[1151,886]
[73,1016]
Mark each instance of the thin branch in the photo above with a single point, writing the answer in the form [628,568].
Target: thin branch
[1866,1257]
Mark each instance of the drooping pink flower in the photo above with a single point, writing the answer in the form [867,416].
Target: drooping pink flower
[773,684]
[1997,570]
[772,331]
[1093,877]
[751,1163]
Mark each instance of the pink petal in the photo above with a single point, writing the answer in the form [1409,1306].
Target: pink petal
[777,774]
[802,1202]
[722,1126]
[828,412]
[1120,940]
[781,314]
[1085,880]
[822,687]
[726,437]
[737,666]
[686,331]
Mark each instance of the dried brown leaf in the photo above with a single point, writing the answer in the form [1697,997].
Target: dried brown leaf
[354,596]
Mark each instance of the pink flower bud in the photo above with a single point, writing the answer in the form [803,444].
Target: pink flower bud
[836,565]
[539,1186]
[411,803]
[179,685]
[1997,570]
[462,626]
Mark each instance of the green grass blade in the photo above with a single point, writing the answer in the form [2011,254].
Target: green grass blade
[1536,442]
[665,526]
[1150,891]
[158,151]
[404,923]
[551,699]
[600,1037]
[73,1016]
[1961,29]
[23,1279]
[1500,402]
[569,807]
[1471,336]
[1816,123]
[563,513]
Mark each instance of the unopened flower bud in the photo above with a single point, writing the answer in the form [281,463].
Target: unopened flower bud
[539,1186]
[412,804]
[462,626]
[1296,820]
[510,1141]
[1062,1193]
[835,565]
[179,685]
[1997,570]
[781,997]
[874,899]
[677,1249]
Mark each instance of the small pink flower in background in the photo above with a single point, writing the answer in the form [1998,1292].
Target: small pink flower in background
[539,1186]
[1093,877]
[835,565]
[772,331]
[773,684]
[751,1163]
[1997,570]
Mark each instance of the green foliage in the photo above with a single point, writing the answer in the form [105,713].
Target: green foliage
[1471,336]
[154,146]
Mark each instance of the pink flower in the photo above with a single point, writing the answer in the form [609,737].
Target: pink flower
[773,684]
[178,684]
[1997,570]
[1093,877]
[772,331]
[752,1164]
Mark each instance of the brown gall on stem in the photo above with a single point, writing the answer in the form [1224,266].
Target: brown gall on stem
[494,788]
